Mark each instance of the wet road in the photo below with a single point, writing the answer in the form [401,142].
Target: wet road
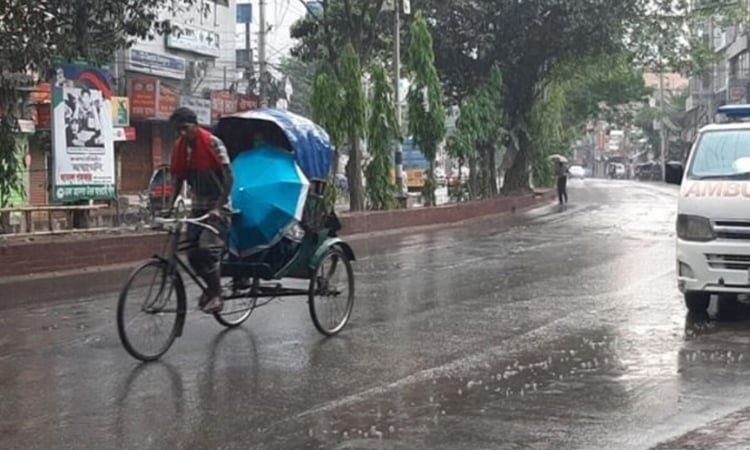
[555,330]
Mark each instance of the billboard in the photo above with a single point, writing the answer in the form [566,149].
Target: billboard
[82,135]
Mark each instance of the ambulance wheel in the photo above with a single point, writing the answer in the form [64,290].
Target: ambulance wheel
[697,301]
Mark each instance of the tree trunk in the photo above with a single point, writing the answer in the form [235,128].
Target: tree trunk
[492,166]
[472,181]
[517,178]
[429,192]
[4,222]
[486,151]
[354,174]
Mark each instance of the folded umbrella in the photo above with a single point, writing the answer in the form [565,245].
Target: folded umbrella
[269,194]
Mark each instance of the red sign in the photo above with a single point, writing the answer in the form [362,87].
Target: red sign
[169,100]
[43,117]
[143,97]
[247,102]
[223,103]
[41,94]
[152,99]
[124,134]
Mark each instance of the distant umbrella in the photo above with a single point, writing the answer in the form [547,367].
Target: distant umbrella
[557,157]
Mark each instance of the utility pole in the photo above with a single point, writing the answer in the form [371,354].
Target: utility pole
[249,70]
[262,52]
[712,79]
[400,182]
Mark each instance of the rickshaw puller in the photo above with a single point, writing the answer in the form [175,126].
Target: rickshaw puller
[201,159]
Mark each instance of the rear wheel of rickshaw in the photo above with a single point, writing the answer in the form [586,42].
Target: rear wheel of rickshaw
[238,310]
[331,293]
[151,311]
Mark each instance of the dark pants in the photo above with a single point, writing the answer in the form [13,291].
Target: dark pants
[205,254]
[562,189]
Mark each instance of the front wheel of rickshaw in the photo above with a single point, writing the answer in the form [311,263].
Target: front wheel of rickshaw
[151,310]
[331,293]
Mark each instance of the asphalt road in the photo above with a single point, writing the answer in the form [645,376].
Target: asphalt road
[550,330]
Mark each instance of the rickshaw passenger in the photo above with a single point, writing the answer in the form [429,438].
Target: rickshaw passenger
[201,159]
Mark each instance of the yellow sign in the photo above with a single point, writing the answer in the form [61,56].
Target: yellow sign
[120,112]
[415,178]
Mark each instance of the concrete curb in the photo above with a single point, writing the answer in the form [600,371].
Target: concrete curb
[54,254]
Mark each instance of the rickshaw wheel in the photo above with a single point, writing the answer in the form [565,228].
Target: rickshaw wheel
[331,300]
[234,317]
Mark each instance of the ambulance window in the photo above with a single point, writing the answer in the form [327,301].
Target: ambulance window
[721,153]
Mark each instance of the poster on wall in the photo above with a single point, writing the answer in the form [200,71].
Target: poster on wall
[82,135]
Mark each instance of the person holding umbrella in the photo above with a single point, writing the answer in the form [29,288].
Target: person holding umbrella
[561,172]
[201,159]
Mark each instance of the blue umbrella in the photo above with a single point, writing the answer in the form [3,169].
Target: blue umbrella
[269,194]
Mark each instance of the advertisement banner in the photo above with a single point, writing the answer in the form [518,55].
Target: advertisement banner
[157,64]
[82,135]
[201,107]
[169,100]
[143,97]
[195,40]
[247,102]
[223,103]
[120,111]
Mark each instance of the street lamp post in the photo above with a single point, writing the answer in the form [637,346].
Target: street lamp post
[400,185]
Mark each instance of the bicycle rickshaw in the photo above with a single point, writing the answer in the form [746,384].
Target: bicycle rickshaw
[308,251]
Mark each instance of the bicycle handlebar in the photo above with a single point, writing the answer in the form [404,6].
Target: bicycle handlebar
[193,220]
[198,221]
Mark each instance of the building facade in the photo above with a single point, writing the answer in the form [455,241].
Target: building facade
[195,67]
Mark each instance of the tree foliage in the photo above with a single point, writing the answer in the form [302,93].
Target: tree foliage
[527,40]
[36,32]
[326,105]
[360,23]
[353,121]
[10,162]
[302,75]
[426,111]
[548,131]
[578,91]
[382,130]
[480,134]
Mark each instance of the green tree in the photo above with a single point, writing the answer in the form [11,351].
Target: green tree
[578,91]
[302,75]
[360,23]
[33,33]
[326,105]
[548,131]
[480,135]
[353,121]
[530,39]
[382,130]
[426,111]
[89,29]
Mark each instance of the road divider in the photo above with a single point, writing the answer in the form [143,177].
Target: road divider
[23,259]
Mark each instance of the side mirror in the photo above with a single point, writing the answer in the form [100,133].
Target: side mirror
[674,171]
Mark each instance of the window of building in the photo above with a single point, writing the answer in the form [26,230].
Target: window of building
[743,65]
[734,68]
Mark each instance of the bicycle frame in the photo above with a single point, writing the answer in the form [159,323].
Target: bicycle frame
[173,260]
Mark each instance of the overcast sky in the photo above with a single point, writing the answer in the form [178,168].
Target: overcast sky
[280,15]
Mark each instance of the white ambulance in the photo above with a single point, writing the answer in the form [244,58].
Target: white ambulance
[713,223]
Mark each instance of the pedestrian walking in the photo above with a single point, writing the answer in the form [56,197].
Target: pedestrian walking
[561,171]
